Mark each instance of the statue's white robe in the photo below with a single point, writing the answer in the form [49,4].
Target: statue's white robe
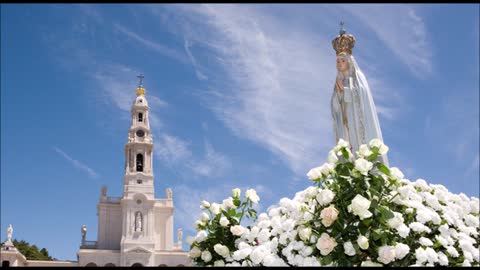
[354,115]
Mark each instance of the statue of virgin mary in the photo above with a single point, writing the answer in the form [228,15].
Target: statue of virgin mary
[354,115]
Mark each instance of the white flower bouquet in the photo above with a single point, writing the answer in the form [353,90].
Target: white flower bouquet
[359,212]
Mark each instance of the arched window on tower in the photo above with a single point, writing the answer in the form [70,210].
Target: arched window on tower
[139,163]
[140,117]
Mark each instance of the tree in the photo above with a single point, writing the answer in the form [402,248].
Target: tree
[31,252]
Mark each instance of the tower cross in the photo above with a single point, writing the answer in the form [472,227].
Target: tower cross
[140,77]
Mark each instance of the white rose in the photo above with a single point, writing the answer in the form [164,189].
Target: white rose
[359,207]
[258,254]
[305,233]
[251,194]
[195,252]
[205,217]
[396,174]
[189,240]
[326,169]
[229,203]
[363,166]
[364,151]
[326,244]
[396,221]
[342,143]
[215,208]
[237,230]
[349,249]
[332,157]
[362,242]
[382,148]
[425,241]
[314,174]
[310,192]
[206,256]
[421,255]
[236,193]
[442,259]
[403,230]
[199,224]
[201,235]
[205,205]
[325,196]
[219,263]
[401,250]
[221,250]
[386,254]
[224,221]
[328,216]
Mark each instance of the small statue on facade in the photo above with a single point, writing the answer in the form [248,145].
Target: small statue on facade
[9,236]
[169,193]
[84,232]
[179,236]
[104,191]
[138,222]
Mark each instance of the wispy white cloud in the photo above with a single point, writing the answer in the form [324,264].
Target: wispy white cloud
[212,164]
[199,74]
[158,47]
[76,163]
[401,29]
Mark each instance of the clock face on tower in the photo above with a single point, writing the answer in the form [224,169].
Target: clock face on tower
[140,133]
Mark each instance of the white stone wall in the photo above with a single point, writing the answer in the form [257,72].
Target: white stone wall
[109,226]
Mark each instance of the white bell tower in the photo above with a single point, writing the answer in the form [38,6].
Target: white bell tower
[138,200]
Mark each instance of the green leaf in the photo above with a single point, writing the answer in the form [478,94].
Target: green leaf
[236,202]
[383,168]
[345,153]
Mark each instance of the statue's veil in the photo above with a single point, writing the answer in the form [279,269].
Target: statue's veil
[367,111]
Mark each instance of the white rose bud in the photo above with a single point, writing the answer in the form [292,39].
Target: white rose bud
[237,230]
[229,203]
[215,208]
[224,221]
[305,233]
[206,256]
[236,193]
[396,174]
[326,169]
[332,157]
[221,250]
[205,205]
[359,207]
[205,217]
[364,151]
[362,242]
[251,194]
[328,216]
[189,240]
[343,143]
[326,244]
[349,249]
[201,235]
[363,166]
[314,174]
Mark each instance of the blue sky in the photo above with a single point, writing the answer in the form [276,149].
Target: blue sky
[239,94]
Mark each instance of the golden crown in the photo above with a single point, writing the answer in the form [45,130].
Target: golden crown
[343,42]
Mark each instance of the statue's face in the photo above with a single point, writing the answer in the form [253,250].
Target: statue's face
[342,64]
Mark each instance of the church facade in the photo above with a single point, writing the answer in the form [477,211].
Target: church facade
[135,229]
